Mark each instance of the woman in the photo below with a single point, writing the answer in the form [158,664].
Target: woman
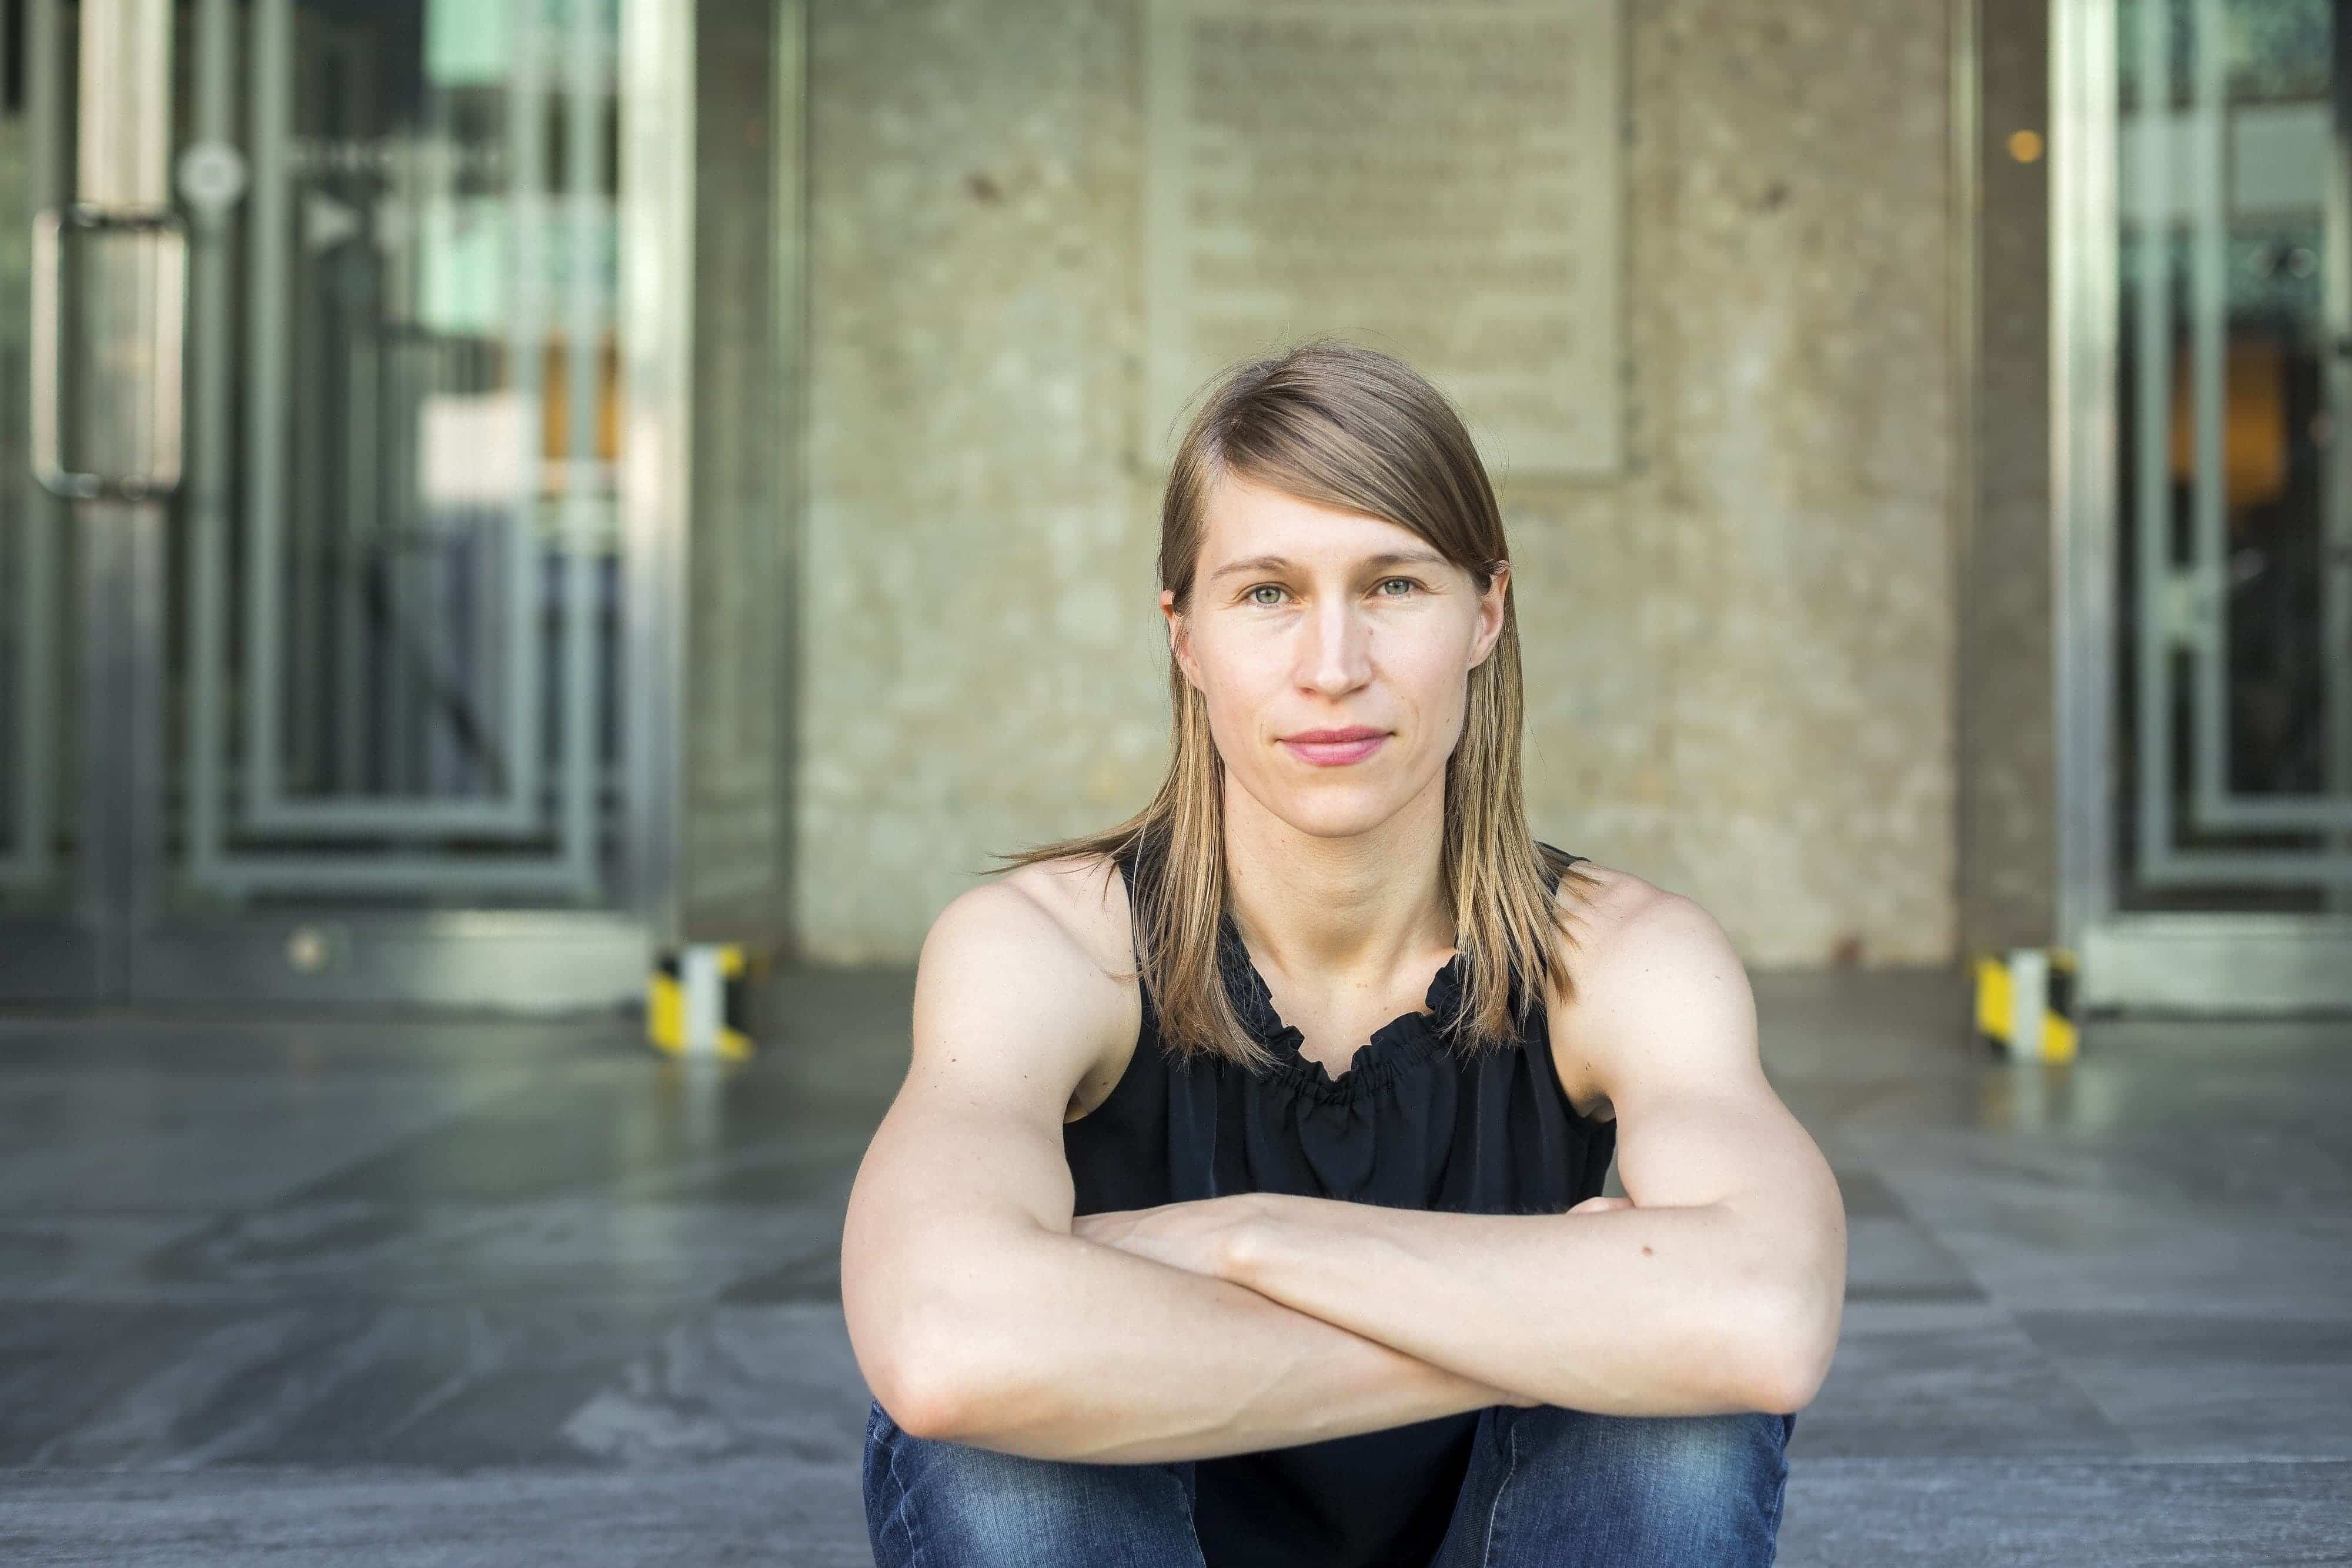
[1242,1202]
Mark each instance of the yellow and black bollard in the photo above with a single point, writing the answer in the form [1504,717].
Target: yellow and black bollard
[697,1001]
[2025,1003]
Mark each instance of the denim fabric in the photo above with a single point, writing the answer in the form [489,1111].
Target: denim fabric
[1564,1489]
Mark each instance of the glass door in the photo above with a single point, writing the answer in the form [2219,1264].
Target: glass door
[2204,358]
[327,544]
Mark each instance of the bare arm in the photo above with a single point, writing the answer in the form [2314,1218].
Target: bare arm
[1715,1287]
[976,1315]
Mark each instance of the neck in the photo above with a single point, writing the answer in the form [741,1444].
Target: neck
[1345,914]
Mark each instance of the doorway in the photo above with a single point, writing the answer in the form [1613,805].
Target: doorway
[332,534]
[2202,346]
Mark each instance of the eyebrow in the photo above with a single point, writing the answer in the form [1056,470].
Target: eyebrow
[1377,563]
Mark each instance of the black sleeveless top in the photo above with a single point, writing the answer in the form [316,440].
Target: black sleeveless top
[1409,1125]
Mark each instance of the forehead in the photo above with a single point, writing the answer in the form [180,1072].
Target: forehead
[1241,517]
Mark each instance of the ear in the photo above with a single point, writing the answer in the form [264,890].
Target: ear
[1179,638]
[1490,615]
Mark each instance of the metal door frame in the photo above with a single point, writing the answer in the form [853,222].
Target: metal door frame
[119,943]
[2181,962]
[52,956]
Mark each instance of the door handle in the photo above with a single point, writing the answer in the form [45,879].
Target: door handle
[162,475]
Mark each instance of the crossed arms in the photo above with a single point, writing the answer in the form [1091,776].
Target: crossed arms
[979,1309]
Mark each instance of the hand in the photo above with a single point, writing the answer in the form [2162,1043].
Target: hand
[1198,1237]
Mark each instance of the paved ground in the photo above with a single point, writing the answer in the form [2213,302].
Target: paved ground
[389,1291]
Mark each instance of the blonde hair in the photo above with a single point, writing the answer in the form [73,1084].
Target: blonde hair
[1348,428]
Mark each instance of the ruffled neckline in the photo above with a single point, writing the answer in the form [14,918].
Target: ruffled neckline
[1404,1041]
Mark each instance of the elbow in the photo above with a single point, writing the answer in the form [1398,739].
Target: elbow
[900,1357]
[918,1410]
[1782,1387]
[1793,1295]
[924,1389]
[1789,1356]
[927,1413]
[940,1384]
[947,1360]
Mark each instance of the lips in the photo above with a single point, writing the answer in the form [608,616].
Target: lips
[1335,748]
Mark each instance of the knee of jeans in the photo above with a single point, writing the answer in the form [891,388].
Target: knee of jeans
[1691,1457]
[979,1505]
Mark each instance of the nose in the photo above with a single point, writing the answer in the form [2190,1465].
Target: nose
[1335,648]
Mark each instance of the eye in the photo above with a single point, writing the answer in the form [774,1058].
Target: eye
[1265,587]
[1408,582]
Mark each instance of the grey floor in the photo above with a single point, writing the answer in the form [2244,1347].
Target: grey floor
[394,1291]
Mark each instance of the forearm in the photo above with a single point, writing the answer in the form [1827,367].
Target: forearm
[1067,1349]
[1634,1312]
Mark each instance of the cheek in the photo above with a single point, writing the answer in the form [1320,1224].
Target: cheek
[1428,672]
[1234,683]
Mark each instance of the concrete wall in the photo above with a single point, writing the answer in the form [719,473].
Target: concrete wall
[1740,651]
[2008,779]
[735,863]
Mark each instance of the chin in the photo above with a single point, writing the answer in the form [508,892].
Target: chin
[1339,813]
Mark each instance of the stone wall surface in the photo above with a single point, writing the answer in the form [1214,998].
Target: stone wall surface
[1739,650]
[735,870]
[2009,806]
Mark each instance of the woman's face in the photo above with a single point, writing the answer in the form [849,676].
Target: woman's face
[1306,621]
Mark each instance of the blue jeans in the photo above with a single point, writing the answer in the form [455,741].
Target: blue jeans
[1564,1489]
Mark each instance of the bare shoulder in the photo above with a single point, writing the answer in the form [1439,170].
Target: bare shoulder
[1056,933]
[1638,952]
[1613,916]
[1086,898]
[1599,898]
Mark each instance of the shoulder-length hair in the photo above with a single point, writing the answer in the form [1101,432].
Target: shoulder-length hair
[1347,427]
